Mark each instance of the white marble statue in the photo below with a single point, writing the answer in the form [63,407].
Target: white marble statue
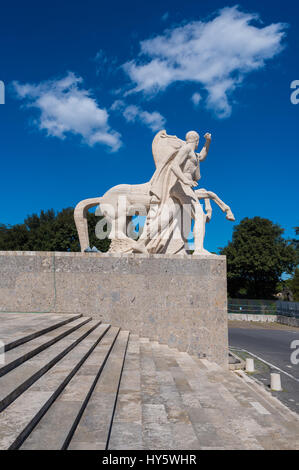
[168,201]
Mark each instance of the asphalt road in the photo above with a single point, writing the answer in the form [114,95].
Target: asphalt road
[274,347]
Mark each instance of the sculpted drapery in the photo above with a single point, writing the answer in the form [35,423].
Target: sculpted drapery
[164,229]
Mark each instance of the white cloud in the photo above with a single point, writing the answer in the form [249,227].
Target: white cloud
[155,121]
[165,16]
[105,66]
[216,54]
[196,98]
[132,113]
[66,108]
[117,105]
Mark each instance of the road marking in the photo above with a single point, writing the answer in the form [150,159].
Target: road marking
[260,408]
[265,362]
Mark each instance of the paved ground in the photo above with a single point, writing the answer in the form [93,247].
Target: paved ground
[272,345]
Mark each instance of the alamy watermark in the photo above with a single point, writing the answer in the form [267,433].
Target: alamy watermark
[2,353]
[295,354]
[2,92]
[295,94]
[173,220]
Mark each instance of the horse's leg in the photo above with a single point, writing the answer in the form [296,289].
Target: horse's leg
[120,241]
[114,213]
[203,194]
[208,209]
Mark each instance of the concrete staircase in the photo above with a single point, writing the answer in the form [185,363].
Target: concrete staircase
[71,382]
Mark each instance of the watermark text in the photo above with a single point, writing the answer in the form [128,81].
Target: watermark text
[295,354]
[2,353]
[2,92]
[295,94]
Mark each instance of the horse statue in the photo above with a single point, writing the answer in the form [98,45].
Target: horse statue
[122,202]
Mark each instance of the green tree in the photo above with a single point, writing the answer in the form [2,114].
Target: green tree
[294,285]
[295,243]
[257,257]
[49,232]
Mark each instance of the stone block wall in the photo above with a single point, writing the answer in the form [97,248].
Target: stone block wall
[177,300]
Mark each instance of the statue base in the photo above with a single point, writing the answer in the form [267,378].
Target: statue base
[179,300]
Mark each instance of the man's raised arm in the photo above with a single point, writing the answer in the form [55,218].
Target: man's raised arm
[205,150]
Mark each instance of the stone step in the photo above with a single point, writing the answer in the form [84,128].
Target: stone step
[176,395]
[242,416]
[20,417]
[156,429]
[19,379]
[126,432]
[116,391]
[26,351]
[94,428]
[55,429]
[18,328]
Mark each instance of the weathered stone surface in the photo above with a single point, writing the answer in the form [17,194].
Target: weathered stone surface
[179,300]
[121,392]
[52,431]
[17,328]
[17,355]
[20,378]
[288,320]
[96,420]
[20,417]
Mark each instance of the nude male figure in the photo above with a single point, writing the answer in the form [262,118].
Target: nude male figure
[186,168]
[174,181]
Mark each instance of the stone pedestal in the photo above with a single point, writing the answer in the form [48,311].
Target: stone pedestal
[174,299]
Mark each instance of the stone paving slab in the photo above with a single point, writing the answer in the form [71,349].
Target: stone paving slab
[94,426]
[19,379]
[156,429]
[188,403]
[126,432]
[17,328]
[16,356]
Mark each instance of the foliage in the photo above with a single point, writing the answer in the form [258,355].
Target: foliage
[257,257]
[294,285]
[295,243]
[49,232]
[284,289]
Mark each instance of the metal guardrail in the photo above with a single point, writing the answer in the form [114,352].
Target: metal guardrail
[252,306]
[288,309]
[263,307]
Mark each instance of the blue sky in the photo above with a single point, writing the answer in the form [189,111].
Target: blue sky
[89,83]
